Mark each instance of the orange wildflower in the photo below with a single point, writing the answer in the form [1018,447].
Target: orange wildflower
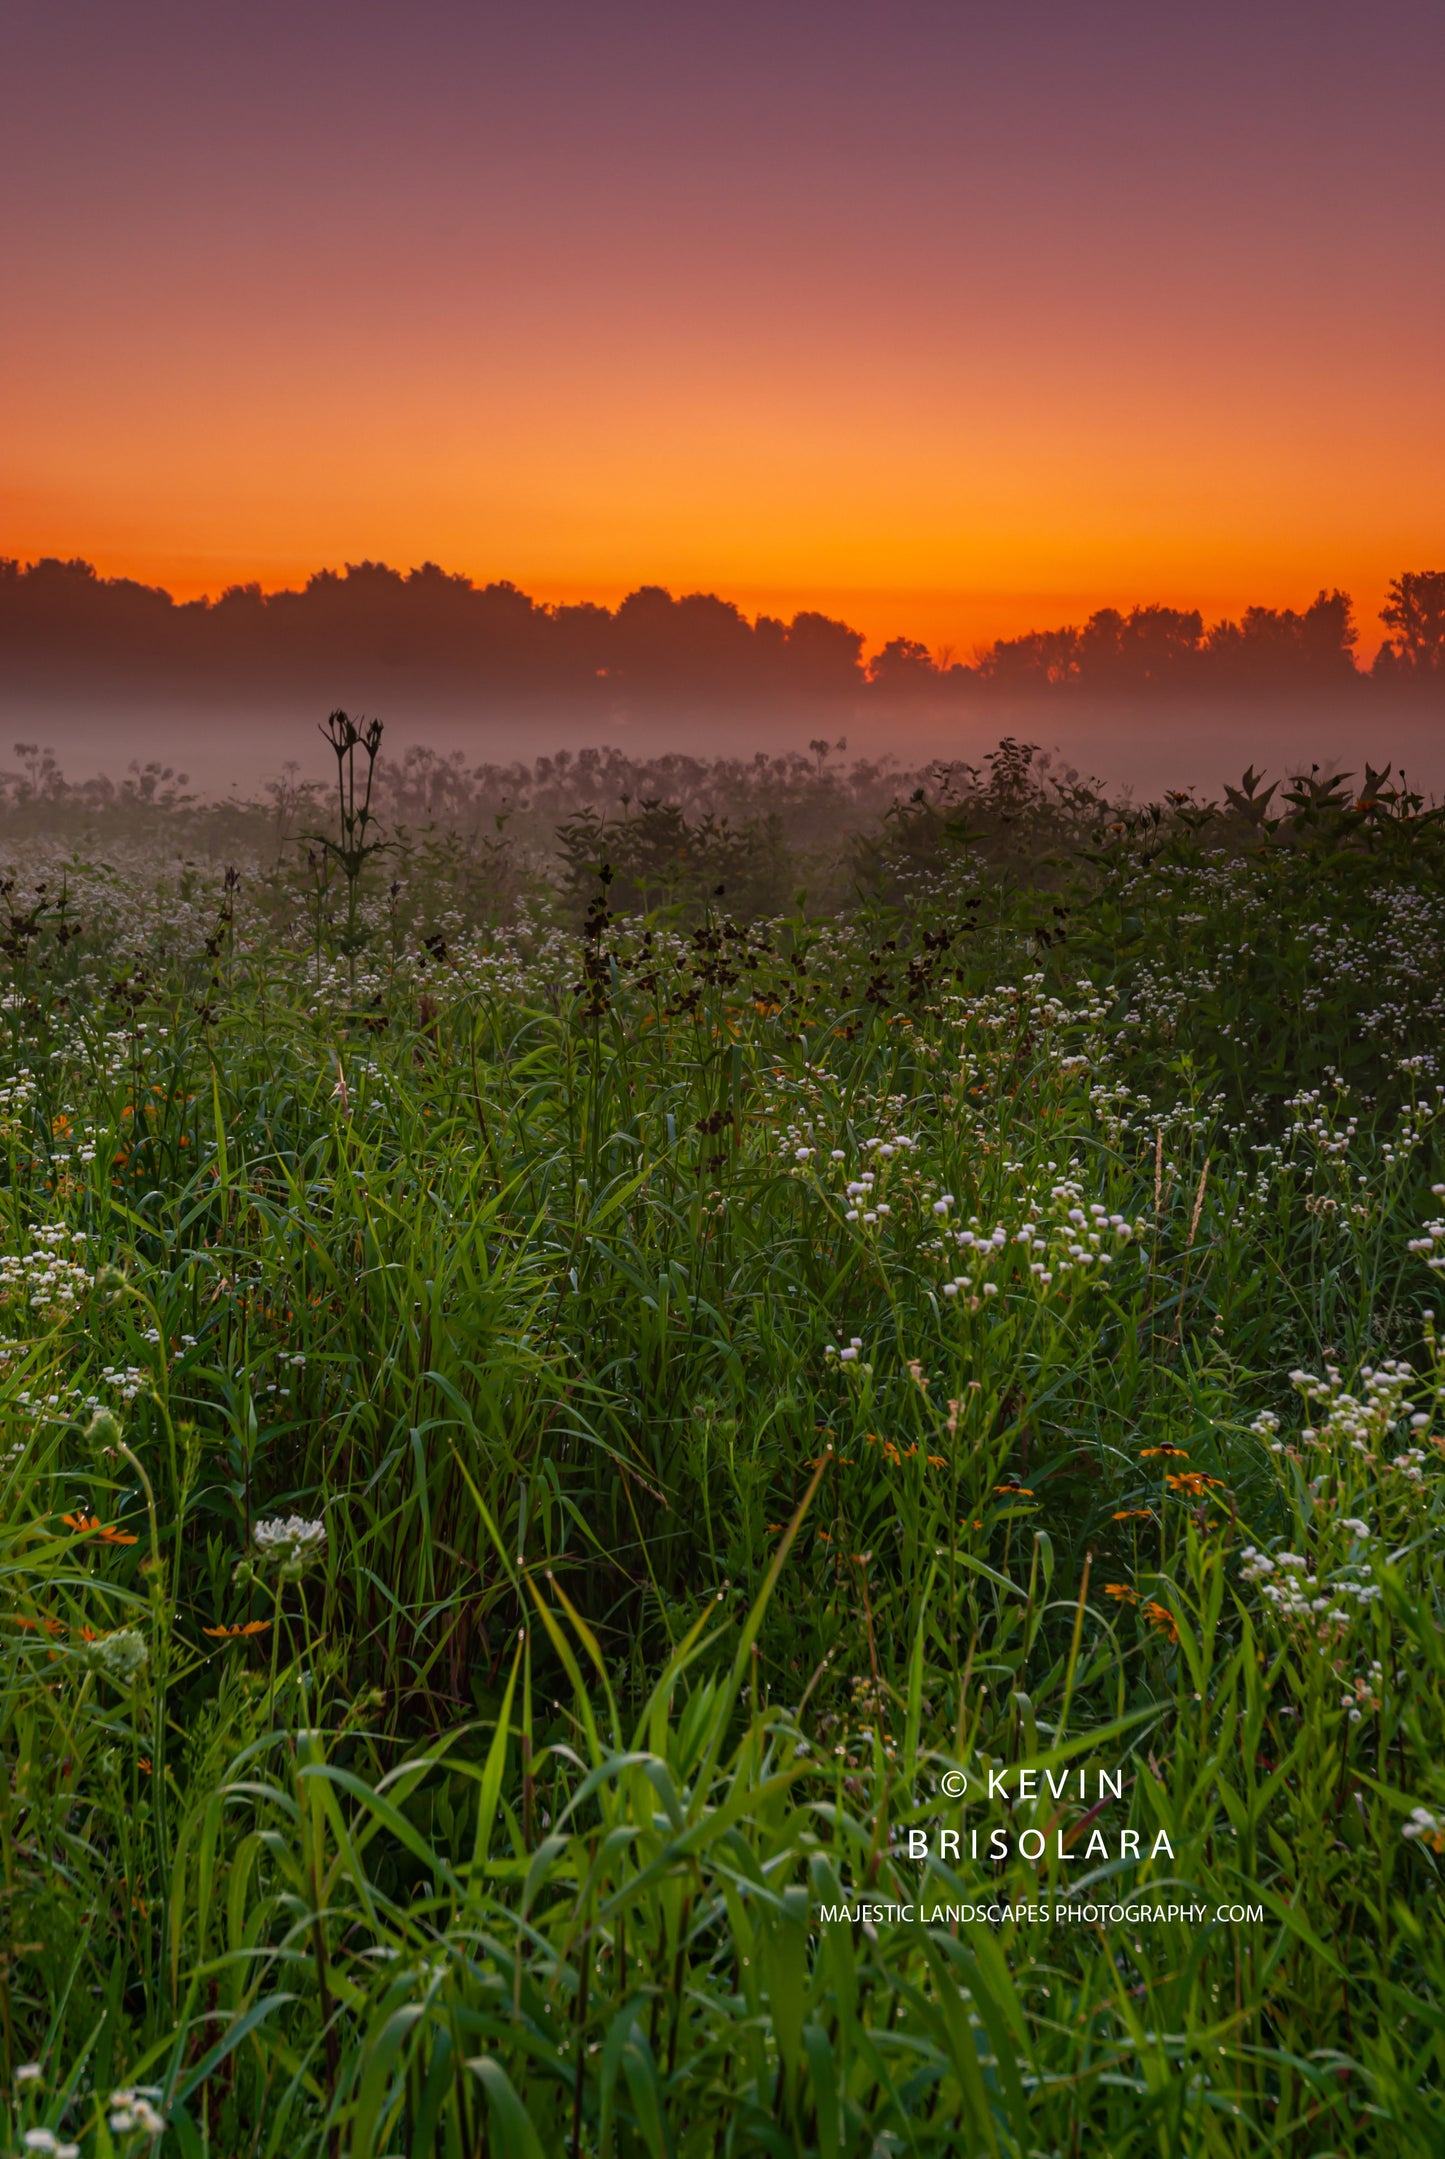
[1122,1591]
[1170,1454]
[1016,1491]
[1193,1484]
[1135,1514]
[86,1525]
[230,1634]
[1160,1616]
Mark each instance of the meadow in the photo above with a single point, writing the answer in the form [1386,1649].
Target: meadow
[603,1393]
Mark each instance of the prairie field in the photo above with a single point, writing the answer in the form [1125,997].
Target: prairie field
[718,1472]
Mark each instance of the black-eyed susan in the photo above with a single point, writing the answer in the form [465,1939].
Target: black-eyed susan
[87,1525]
[1193,1484]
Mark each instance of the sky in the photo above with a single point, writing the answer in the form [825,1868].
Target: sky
[953,319]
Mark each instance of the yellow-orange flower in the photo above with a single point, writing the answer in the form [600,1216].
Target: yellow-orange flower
[86,1525]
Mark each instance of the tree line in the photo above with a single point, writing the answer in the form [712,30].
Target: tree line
[62,625]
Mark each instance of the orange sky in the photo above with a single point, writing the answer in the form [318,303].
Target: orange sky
[968,330]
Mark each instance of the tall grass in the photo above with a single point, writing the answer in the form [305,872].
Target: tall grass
[536,1457]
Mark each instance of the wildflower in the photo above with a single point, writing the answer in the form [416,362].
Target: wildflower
[1121,1592]
[290,1543]
[86,1525]
[248,1627]
[103,1431]
[29,2073]
[122,1656]
[1134,1514]
[1428,1828]
[1015,1491]
[1160,1616]
[1193,1484]
[1169,1454]
[45,2140]
[131,2110]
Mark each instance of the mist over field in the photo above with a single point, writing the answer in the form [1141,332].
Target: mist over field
[225,748]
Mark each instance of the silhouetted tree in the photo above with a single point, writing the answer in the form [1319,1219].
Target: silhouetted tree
[1414,615]
[1040,659]
[371,630]
[1270,647]
[904,668]
[1149,648]
[823,658]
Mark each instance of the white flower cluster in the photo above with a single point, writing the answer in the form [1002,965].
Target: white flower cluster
[1286,1583]
[289,1543]
[1070,1241]
[45,2140]
[122,1656]
[1433,1238]
[17,1095]
[126,1379]
[131,2110]
[1429,1828]
[1364,1423]
[49,1278]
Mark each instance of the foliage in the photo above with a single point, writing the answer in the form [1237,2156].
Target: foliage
[534,1461]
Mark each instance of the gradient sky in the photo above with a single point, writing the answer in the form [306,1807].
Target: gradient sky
[952,318]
